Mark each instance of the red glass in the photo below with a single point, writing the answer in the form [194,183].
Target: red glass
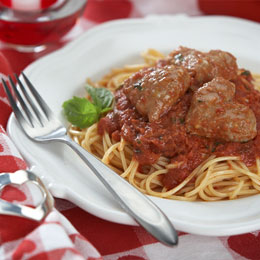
[39,4]
[37,28]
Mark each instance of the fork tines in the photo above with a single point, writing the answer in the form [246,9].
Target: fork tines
[25,99]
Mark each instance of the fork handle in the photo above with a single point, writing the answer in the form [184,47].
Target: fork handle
[140,207]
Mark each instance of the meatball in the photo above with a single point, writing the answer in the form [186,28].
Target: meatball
[215,114]
[203,67]
[154,91]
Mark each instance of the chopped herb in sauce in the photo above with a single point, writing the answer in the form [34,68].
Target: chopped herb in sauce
[246,73]
[216,144]
[182,120]
[138,86]
[173,120]
[179,57]
[206,146]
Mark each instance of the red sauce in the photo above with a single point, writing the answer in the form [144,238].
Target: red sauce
[168,137]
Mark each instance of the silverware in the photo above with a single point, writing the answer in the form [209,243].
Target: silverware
[40,124]
[18,178]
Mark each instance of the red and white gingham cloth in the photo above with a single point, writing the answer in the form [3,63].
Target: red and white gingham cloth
[56,237]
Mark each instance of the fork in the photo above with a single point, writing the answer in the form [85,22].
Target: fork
[40,124]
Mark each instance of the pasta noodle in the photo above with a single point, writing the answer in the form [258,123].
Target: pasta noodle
[217,178]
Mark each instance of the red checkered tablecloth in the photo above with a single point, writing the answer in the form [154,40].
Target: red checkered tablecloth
[68,232]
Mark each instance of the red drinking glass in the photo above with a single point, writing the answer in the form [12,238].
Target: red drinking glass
[39,27]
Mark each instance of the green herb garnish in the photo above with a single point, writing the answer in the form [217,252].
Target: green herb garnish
[102,98]
[138,86]
[182,120]
[216,144]
[245,73]
[80,112]
[83,113]
[213,149]
[173,119]
[179,57]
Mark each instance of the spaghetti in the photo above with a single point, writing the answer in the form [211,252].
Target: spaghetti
[216,178]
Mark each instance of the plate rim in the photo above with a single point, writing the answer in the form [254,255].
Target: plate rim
[149,19]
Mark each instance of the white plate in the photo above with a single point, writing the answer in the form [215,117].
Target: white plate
[61,75]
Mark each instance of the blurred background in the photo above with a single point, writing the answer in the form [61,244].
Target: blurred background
[29,31]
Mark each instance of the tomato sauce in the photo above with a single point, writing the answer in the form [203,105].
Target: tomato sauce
[168,137]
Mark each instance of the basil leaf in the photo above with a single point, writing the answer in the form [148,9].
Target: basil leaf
[80,112]
[83,113]
[104,110]
[101,97]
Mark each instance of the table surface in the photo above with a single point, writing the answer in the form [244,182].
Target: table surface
[131,242]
